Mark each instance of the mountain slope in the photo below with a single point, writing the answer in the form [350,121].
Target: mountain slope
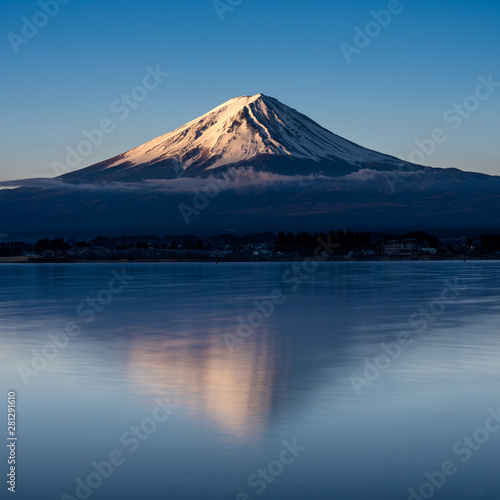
[275,169]
[254,131]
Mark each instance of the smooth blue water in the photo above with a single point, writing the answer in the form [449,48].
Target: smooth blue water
[169,332]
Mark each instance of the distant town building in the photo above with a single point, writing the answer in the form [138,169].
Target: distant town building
[428,250]
[408,246]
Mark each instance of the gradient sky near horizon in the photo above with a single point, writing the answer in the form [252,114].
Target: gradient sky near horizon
[395,91]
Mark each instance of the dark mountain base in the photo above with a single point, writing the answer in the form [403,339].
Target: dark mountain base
[85,213]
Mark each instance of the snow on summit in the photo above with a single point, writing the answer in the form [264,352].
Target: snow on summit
[241,129]
[250,131]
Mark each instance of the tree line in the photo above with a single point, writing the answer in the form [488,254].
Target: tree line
[305,242]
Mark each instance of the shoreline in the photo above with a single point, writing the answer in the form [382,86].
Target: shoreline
[30,260]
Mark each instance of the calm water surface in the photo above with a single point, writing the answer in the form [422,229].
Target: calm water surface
[319,373]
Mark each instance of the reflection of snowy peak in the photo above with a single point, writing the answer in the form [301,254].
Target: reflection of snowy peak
[239,131]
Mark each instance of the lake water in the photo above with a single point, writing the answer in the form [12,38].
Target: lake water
[184,381]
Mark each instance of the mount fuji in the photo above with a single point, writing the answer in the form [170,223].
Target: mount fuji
[252,131]
[251,164]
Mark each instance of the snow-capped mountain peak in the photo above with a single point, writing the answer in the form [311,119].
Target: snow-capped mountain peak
[242,130]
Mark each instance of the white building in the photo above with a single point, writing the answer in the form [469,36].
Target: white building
[428,250]
[404,247]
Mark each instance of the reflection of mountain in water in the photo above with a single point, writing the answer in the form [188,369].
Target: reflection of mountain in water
[231,389]
[303,353]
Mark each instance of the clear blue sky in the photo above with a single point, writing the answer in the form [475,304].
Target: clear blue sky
[395,91]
